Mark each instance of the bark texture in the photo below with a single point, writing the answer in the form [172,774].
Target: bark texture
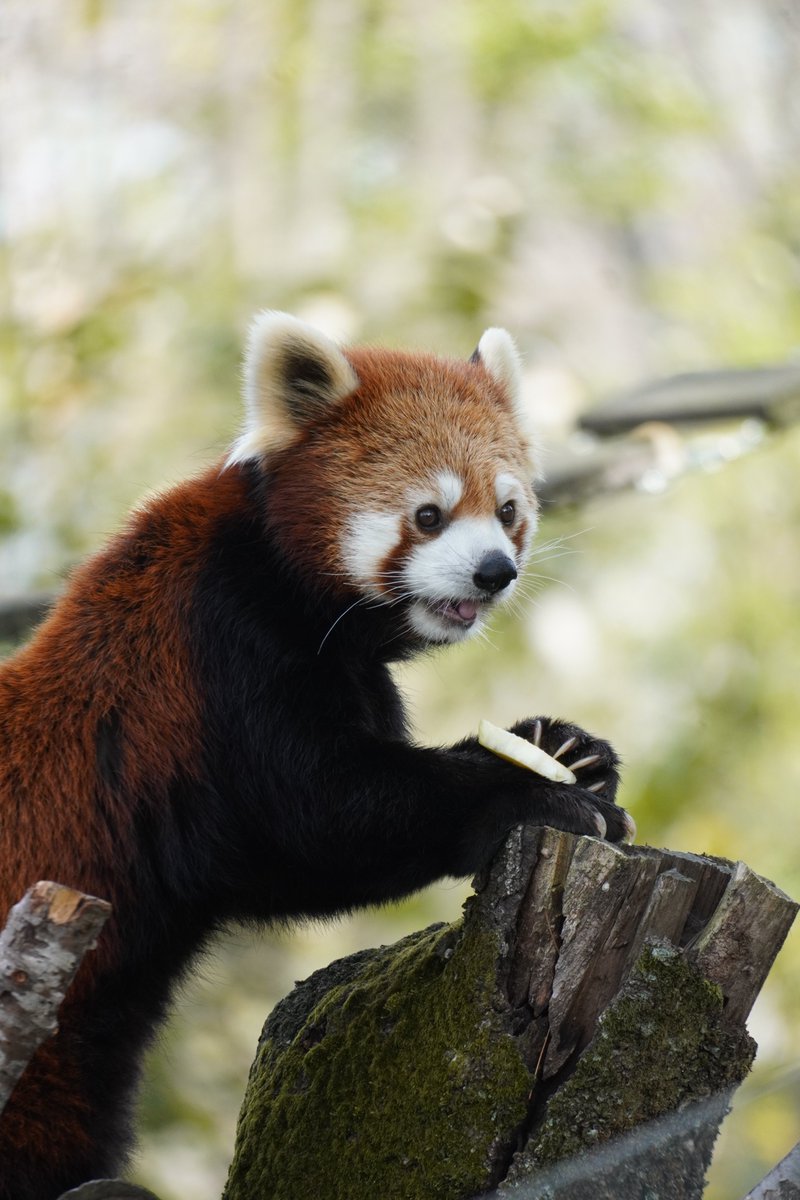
[47,934]
[577,1034]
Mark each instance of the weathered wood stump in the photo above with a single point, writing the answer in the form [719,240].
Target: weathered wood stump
[578,1034]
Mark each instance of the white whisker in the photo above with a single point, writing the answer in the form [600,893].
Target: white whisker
[360,600]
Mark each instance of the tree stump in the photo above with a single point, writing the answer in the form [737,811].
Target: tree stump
[577,1034]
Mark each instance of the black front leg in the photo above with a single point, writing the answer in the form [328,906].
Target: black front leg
[387,818]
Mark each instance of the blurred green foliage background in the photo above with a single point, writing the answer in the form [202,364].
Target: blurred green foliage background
[615,181]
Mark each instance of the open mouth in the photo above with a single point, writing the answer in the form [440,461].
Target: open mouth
[447,620]
[460,612]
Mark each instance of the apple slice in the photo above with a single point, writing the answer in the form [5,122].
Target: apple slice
[524,754]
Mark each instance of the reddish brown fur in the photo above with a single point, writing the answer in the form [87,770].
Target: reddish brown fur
[54,696]
[47,738]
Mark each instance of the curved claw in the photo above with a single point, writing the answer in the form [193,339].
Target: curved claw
[564,747]
[630,828]
[600,825]
[597,787]
[537,733]
[588,761]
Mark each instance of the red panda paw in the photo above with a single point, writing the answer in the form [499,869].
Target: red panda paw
[596,765]
[593,760]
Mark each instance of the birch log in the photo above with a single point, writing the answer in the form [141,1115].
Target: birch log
[47,934]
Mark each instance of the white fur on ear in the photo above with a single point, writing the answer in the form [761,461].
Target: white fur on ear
[498,353]
[292,374]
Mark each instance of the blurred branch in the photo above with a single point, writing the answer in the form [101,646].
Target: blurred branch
[650,435]
[782,1182]
[584,468]
[767,394]
[47,934]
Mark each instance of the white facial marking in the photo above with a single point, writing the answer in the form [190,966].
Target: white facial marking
[444,489]
[507,487]
[449,488]
[434,628]
[443,567]
[369,538]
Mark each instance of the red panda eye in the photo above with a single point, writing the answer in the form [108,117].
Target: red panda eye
[428,517]
[507,513]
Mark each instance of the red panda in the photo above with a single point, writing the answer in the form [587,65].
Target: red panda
[206,730]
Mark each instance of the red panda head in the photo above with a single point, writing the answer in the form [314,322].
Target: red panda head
[402,478]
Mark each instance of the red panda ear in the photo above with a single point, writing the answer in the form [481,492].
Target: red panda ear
[499,355]
[292,374]
[497,352]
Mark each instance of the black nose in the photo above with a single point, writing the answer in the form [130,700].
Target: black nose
[495,571]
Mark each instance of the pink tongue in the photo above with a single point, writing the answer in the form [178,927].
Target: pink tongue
[467,610]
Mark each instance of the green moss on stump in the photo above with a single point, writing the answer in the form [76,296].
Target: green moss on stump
[661,1045]
[401,1083]
[662,1042]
